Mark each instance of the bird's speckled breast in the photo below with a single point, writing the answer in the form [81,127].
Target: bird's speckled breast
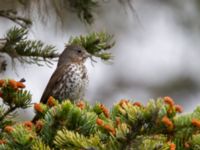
[75,80]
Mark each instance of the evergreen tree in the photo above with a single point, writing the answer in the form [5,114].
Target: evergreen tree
[129,125]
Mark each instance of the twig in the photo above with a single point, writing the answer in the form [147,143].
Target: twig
[11,109]
[12,15]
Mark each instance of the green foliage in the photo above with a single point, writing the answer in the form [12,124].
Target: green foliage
[150,143]
[17,46]
[138,127]
[84,9]
[40,145]
[5,120]
[30,51]
[194,142]
[14,96]
[128,125]
[20,137]
[69,116]
[66,139]
[4,147]
[96,43]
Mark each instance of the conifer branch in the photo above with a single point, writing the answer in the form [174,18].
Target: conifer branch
[39,145]
[128,125]
[14,97]
[69,139]
[96,43]
[10,110]
[17,46]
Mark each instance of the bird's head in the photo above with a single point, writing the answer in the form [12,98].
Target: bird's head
[73,54]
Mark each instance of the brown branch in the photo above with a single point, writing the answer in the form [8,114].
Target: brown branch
[11,109]
[12,15]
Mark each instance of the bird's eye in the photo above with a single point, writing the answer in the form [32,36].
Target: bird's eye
[79,51]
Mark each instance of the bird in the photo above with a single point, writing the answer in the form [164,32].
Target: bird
[70,79]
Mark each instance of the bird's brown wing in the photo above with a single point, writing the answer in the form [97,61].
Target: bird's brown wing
[54,80]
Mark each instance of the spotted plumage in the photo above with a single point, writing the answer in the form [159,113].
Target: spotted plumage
[75,80]
[70,79]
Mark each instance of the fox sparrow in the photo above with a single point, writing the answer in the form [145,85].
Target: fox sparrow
[69,80]
[70,77]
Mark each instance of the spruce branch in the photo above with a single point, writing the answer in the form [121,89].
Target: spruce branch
[68,115]
[39,145]
[6,117]
[14,96]
[69,139]
[194,142]
[128,125]
[17,46]
[96,43]
[10,110]
[20,136]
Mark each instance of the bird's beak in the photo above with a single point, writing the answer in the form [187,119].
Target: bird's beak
[87,55]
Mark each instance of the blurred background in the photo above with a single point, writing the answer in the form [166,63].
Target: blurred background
[156,53]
